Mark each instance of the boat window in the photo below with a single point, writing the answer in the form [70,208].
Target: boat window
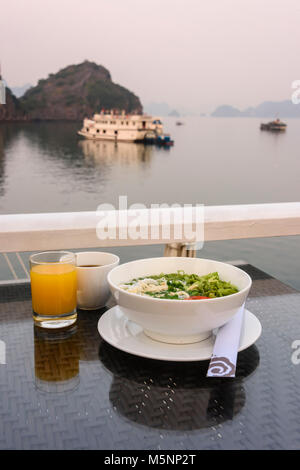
[127,123]
[133,122]
[104,131]
[87,129]
[98,130]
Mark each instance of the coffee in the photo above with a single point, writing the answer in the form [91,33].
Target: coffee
[89,266]
[92,270]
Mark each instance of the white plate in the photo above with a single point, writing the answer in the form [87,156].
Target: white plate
[127,336]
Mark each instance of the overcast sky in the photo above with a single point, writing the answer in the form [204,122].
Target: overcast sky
[192,53]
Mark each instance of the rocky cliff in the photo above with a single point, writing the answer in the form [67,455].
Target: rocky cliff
[72,93]
[12,110]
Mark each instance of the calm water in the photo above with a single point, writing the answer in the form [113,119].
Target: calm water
[44,167]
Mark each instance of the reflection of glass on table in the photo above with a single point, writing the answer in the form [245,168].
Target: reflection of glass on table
[56,358]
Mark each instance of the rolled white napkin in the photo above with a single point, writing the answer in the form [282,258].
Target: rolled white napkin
[224,356]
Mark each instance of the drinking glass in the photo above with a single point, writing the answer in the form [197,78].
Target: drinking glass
[53,289]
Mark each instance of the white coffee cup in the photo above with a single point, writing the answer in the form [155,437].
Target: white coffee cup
[92,270]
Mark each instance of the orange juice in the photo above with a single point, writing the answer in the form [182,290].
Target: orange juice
[53,289]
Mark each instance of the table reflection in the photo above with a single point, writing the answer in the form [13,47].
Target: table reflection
[57,354]
[87,332]
[56,358]
[175,396]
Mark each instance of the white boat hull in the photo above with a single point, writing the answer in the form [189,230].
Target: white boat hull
[120,127]
[119,138]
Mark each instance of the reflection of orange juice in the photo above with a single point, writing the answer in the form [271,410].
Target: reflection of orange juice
[56,360]
[53,288]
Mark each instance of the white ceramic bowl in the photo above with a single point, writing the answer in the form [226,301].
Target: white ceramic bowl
[178,321]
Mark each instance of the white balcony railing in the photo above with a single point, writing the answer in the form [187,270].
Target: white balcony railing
[38,232]
[27,232]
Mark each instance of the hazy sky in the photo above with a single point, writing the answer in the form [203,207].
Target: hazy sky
[192,53]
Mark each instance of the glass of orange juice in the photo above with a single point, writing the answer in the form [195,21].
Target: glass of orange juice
[53,288]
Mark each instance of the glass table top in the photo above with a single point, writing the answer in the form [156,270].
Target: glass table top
[71,390]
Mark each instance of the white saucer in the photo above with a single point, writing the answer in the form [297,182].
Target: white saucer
[127,336]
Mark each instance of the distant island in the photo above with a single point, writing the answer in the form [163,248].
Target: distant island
[19,91]
[158,109]
[71,94]
[78,91]
[174,113]
[268,109]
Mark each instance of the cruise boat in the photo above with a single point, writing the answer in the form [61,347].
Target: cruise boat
[121,127]
[276,125]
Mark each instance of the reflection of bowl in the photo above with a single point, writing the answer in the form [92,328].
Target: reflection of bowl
[178,321]
[174,396]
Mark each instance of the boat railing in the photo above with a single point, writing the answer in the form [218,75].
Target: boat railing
[21,233]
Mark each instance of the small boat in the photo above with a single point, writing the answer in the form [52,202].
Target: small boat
[165,140]
[179,123]
[276,125]
[158,139]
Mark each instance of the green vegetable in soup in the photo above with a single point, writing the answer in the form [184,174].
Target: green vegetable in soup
[180,285]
